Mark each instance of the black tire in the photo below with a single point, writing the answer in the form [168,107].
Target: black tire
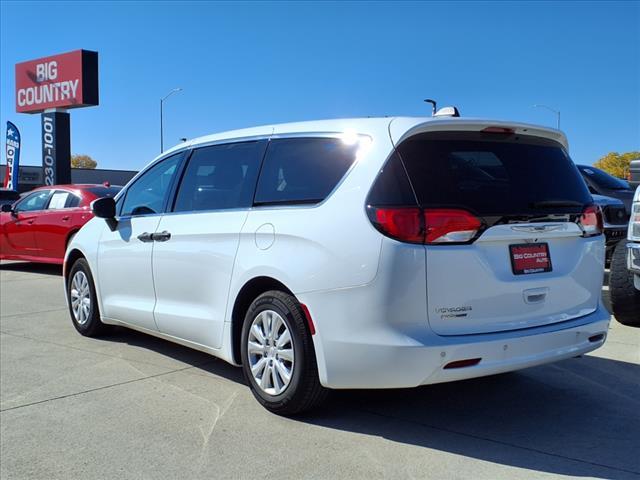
[304,391]
[92,326]
[625,298]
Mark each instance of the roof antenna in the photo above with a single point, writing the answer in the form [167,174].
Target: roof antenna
[433,105]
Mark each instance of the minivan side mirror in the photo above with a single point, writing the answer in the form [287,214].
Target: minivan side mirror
[105,208]
[7,208]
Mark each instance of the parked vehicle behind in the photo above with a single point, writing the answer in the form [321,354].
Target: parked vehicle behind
[7,197]
[38,227]
[624,282]
[634,173]
[362,253]
[602,183]
[615,219]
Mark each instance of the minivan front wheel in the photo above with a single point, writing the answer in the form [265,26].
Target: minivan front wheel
[83,305]
[278,358]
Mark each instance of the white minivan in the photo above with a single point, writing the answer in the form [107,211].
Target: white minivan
[352,253]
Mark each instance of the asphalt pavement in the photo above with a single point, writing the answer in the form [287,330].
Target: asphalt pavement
[132,406]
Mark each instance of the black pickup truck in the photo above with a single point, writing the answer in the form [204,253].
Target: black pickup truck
[624,278]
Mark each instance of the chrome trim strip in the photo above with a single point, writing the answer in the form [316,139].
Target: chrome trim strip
[537,228]
[224,141]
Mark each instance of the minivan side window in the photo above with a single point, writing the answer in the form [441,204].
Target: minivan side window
[149,192]
[392,187]
[302,170]
[220,177]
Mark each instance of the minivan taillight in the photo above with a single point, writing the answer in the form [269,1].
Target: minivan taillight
[448,225]
[429,226]
[591,221]
[404,224]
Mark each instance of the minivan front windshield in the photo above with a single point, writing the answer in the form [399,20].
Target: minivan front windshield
[493,174]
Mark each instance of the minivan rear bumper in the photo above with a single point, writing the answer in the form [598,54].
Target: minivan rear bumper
[510,354]
[406,360]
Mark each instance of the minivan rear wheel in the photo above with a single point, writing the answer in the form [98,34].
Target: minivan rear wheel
[278,358]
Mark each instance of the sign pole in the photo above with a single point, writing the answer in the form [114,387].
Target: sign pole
[56,147]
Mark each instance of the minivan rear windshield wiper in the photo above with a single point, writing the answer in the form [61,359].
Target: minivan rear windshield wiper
[556,203]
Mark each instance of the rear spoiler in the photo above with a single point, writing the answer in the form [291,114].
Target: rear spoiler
[401,128]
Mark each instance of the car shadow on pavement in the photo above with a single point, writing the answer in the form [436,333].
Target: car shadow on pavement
[579,417]
[29,267]
[191,357]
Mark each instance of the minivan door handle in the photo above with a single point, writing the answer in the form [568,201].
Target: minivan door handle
[161,236]
[145,237]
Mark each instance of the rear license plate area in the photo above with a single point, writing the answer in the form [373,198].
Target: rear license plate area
[527,258]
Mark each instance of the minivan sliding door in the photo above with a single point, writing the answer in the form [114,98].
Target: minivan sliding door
[197,241]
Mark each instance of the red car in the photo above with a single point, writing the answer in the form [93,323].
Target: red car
[38,227]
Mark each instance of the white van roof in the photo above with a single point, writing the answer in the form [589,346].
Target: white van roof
[398,128]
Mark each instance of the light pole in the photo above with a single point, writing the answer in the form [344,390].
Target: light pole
[557,112]
[161,129]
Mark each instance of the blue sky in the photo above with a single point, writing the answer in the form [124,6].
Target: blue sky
[247,64]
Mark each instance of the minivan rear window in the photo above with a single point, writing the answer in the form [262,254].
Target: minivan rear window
[493,174]
[302,170]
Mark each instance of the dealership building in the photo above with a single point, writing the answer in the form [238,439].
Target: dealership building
[32,176]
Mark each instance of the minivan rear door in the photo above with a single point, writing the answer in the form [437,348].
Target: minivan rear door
[530,263]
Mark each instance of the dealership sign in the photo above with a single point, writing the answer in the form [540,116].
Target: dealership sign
[68,80]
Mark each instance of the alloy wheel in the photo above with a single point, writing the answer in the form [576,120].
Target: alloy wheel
[80,297]
[270,352]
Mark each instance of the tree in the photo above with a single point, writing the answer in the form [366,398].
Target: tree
[617,164]
[83,161]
